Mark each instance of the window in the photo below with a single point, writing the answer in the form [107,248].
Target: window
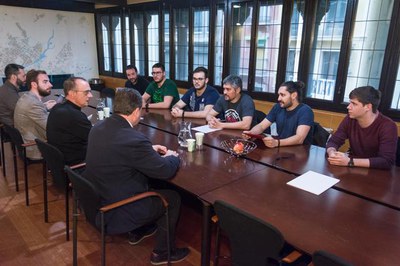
[325,48]
[219,44]
[181,35]
[267,46]
[296,29]
[200,37]
[368,44]
[333,46]
[105,42]
[242,14]
[152,40]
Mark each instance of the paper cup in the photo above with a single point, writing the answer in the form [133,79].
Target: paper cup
[106,112]
[191,144]
[199,138]
[100,115]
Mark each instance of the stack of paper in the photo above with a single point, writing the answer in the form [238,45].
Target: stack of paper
[205,129]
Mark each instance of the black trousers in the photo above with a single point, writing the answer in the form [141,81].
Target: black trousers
[158,216]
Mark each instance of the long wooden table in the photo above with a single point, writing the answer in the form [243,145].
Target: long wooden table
[362,225]
[381,186]
[362,232]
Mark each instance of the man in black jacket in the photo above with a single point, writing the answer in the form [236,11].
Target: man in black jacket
[67,126]
[119,162]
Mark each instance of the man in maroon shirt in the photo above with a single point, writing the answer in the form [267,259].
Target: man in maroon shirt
[372,136]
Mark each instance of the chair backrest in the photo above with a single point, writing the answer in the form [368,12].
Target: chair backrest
[55,162]
[88,197]
[320,135]
[323,258]
[253,242]
[16,138]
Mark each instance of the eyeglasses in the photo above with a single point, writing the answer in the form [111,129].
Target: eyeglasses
[156,73]
[84,92]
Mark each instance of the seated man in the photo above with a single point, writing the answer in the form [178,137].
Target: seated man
[67,127]
[372,136]
[135,81]
[294,119]
[15,78]
[199,99]
[30,115]
[119,161]
[237,108]
[161,93]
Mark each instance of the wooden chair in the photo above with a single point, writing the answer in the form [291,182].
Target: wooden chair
[55,163]
[19,149]
[253,242]
[323,258]
[89,200]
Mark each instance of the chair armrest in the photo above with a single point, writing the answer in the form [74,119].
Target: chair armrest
[292,257]
[28,144]
[133,199]
[77,166]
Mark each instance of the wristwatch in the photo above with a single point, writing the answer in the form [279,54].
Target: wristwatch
[351,163]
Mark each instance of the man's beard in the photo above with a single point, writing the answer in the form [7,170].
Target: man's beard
[43,92]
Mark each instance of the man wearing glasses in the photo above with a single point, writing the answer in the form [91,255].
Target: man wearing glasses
[162,93]
[199,99]
[67,126]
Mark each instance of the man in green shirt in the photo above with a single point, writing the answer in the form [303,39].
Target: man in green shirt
[162,93]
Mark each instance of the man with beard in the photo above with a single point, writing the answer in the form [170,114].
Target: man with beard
[30,115]
[199,99]
[9,96]
[162,93]
[237,108]
[293,118]
[135,81]
[372,136]
[67,126]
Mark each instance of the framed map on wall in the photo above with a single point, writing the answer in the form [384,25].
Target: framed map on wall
[58,42]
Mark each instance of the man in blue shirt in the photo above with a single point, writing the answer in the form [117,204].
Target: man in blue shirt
[199,99]
[293,118]
[135,81]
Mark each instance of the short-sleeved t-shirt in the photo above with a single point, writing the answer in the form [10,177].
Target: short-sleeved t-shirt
[168,88]
[288,121]
[234,112]
[197,103]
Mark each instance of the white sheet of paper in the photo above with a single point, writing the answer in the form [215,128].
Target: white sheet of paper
[313,182]
[205,129]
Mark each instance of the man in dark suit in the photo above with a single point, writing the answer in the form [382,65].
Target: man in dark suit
[119,162]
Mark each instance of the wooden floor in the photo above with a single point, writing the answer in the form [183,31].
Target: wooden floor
[27,240]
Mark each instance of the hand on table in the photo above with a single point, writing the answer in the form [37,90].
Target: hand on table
[160,149]
[338,158]
[215,123]
[270,142]
[176,112]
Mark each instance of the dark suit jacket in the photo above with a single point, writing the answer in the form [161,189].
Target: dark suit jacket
[119,161]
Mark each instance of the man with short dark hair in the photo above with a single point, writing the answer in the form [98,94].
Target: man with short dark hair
[30,115]
[162,93]
[237,108]
[67,126]
[199,99]
[372,136]
[119,161]
[294,119]
[15,78]
[135,81]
